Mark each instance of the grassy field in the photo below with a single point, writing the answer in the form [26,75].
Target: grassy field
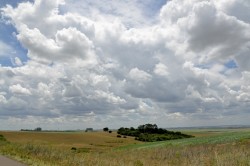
[94,141]
[220,147]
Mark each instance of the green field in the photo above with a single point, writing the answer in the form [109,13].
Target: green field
[208,147]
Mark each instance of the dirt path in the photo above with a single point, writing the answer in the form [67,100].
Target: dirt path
[4,161]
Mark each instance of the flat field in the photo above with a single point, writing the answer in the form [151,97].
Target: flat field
[229,147]
[94,141]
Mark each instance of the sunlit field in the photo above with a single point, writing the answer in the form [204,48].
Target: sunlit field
[94,141]
[208,147]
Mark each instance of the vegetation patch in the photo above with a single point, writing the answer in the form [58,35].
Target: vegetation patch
[2,139]
[151,133]
[83,150]
[225,148]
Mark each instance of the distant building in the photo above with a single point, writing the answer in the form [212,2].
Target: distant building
[38,129]
[89,130]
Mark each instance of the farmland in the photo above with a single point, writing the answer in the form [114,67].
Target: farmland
[94,141]
[208,147]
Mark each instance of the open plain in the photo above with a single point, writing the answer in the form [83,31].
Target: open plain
[208,147]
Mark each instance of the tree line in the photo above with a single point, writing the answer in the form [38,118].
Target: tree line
[151,133]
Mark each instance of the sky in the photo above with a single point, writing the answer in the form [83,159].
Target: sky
[75,64]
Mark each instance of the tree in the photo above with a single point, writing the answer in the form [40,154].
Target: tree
[141,128]
[132,128]
[148,128]
[106,129]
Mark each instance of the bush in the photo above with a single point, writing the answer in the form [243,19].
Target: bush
[73,148]
[118,136]
[2,138]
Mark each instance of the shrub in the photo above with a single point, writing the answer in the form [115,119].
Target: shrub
[2,138]
[73,148]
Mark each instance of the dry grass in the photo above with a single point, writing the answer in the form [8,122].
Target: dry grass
[67,140]
[52,149]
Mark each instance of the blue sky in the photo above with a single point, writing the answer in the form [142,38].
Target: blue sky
[7,36]
[10,2]
[75,64]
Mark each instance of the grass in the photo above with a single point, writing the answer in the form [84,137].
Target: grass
[222,137]
[95,141]
[223,147]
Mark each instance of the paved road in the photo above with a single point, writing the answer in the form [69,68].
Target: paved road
[4,161]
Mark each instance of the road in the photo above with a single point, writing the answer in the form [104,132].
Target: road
[4,161]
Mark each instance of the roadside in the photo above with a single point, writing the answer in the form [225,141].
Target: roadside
[4,161]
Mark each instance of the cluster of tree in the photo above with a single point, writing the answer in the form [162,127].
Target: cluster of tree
[106,129]
[36,129]
[151,133]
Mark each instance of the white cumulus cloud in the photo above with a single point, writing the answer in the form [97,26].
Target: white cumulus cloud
[92,64]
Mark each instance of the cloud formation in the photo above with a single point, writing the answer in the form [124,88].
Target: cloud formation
[104,65]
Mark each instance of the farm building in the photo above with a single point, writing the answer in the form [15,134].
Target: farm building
[89,130]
